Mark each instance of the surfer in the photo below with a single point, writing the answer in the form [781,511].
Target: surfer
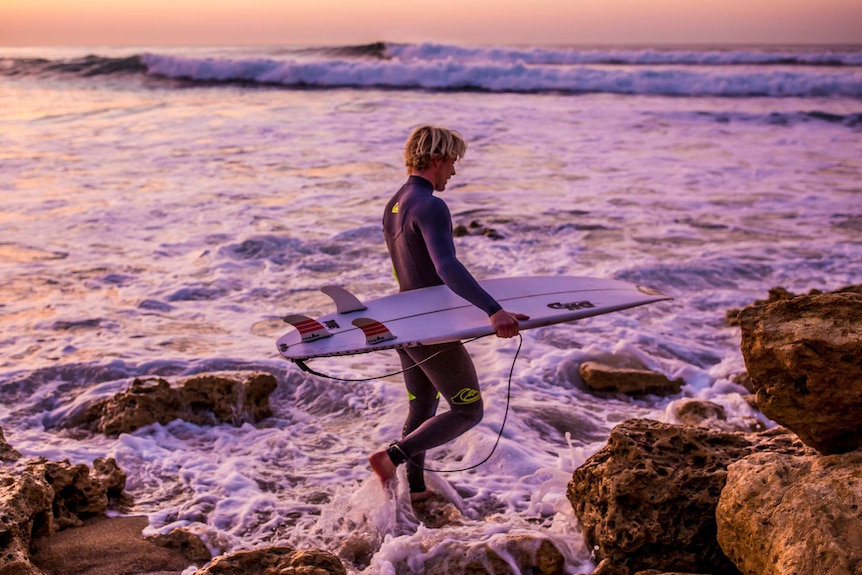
[418,230]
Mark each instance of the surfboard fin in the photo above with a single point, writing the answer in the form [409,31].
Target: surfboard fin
[345,302]
[309,329]
[374,331]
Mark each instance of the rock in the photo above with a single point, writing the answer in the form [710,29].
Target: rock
[785,515]
[630,381]
[779,293]
[475,228]
[202,400]
[39,497]
[185,542]
[311,562]
[25,512]
[7,452]
[254,562]
[276,561]
[608,567]
[228,400]
[647,499]
[78,493]
[804,357]
[693,412]
[711,415]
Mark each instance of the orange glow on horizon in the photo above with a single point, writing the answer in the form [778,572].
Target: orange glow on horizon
[223,22]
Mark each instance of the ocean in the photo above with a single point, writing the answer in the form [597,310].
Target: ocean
[163,208]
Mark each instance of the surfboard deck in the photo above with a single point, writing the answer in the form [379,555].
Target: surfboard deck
[435,314]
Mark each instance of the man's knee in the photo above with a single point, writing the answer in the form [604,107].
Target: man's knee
[467,404]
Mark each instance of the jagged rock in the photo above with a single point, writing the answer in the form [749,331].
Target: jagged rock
[311,562]
[787,515]
[202,400]
[805,360]
[608,567]
[39,497]
[647,499]
[630,381]
[282,560]
[25,512]
[711,415]
[531,554]
[475,228]
[779,293]
[7,452]
[186,542]
[247,562]
[78,493]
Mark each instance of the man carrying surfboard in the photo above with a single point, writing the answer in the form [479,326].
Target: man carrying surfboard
[418,230]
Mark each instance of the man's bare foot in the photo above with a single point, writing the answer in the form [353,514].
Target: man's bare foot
[382,465]
[421,496]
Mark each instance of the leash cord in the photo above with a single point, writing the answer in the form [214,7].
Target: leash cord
[307,369]
[502,425]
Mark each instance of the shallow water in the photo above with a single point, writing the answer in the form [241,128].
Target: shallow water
[158,227]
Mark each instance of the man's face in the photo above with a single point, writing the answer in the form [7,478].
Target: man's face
[445,170]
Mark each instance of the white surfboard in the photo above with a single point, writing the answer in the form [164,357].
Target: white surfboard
[437,315]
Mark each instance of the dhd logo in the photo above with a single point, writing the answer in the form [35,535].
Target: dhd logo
[572,305]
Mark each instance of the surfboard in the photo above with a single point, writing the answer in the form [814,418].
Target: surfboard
[436,314]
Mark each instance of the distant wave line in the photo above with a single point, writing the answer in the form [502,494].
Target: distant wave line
[452,68]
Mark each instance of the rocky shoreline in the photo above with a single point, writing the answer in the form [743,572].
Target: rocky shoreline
[698,497]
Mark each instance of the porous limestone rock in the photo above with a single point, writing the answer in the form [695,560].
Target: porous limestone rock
[78,491]
[188,543]
[39,497]
[788,515]
[202,400]
[25,512]
[647,499]
[281,560]
[804,356]
[630,381]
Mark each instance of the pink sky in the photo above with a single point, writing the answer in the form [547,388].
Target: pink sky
[231,22]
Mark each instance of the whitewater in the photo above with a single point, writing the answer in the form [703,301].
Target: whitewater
[163,208]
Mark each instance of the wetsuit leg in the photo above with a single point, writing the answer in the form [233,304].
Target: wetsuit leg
[452,374]
[424,399]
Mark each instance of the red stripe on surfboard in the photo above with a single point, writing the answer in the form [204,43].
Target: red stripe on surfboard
[374,329]
[307,326]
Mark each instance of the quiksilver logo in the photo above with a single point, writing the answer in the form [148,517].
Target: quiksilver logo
[572,305]
[466,396]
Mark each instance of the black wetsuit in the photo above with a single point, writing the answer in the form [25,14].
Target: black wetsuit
[418,230]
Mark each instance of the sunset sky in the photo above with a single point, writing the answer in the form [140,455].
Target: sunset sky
[233,22]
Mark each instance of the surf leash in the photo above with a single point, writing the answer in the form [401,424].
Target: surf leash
[502,425]
[304,367]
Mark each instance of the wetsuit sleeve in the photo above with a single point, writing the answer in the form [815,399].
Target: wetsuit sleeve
[435,223]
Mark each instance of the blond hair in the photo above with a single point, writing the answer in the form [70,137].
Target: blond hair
[428,142]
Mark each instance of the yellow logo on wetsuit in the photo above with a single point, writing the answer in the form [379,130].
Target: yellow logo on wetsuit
[466,395]
[395,208]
